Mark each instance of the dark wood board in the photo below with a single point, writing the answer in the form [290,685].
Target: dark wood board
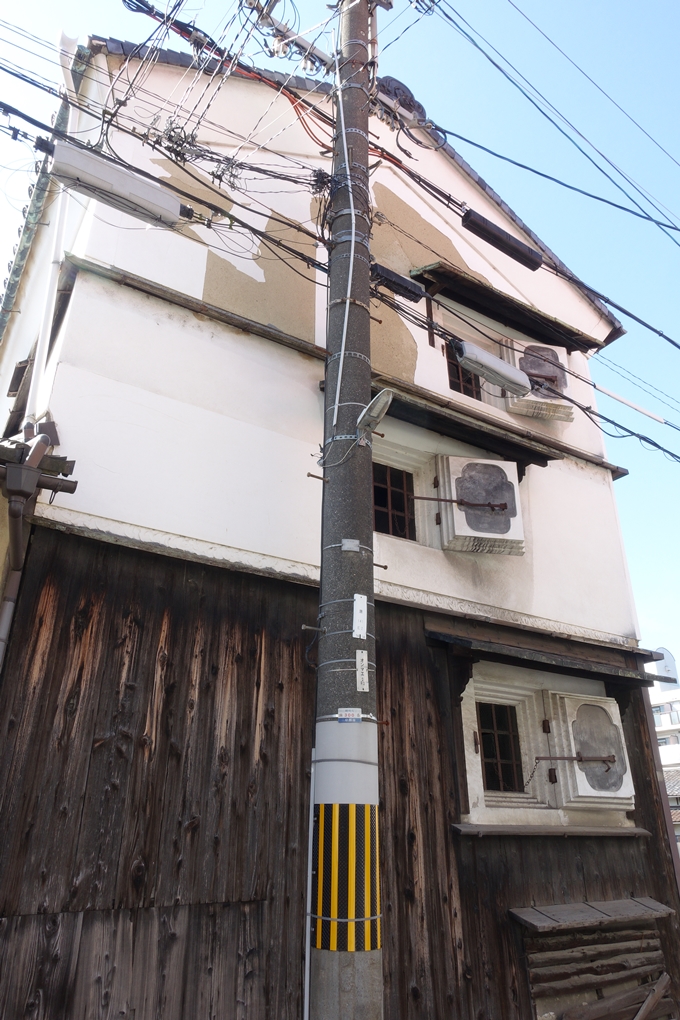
[155,732]
[159,963]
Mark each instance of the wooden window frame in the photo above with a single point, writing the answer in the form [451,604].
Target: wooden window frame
[460,380]
[394,515]
[497,761]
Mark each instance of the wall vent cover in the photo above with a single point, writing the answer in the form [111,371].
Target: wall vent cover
[467,527]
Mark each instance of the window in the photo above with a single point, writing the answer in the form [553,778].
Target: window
[393,512]
[663,741]
[501,758]
[460,379]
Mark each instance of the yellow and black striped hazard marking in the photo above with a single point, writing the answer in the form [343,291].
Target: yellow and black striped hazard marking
[346,882]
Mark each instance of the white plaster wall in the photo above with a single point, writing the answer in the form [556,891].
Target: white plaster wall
[252,121]
[197,440]
[186,429]
[540,289]
[573,569]
[192,436]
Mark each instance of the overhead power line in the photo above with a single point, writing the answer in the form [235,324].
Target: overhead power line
[213,207]
[556,180]
[593,82]
[446,199]
[602,297]
[426,323]
[623,433]
[544,113]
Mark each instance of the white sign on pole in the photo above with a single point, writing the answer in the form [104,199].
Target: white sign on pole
[362,670]
[360,616]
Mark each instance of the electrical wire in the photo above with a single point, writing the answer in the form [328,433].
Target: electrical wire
[593,82]
[643,384]
[302,59]
[450,203]
[311,262]
[426,323]
[623,431]
[556,180]
[598,198]
[534,102]
[454,204]
[426,9]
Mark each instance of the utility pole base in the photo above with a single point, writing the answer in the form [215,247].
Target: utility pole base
[346,985]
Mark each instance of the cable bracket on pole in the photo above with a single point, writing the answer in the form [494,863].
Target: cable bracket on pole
[352,301]
[347,354]
[344,236]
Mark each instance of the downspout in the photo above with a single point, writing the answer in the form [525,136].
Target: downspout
[20,483]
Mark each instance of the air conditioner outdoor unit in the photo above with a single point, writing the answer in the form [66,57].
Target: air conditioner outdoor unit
[488,516]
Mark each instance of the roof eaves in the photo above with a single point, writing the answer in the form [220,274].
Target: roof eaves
[120,48]
[617,327]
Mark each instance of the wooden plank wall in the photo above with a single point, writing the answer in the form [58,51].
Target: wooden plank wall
[421,902]
[155,725]
[156,718]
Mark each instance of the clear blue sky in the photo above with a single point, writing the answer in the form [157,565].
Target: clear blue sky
[630,51]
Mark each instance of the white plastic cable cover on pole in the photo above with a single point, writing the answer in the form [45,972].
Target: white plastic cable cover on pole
[350,275]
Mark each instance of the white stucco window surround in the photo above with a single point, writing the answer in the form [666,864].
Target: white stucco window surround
[419,464]
[528,704]
[554,726]
[472,526]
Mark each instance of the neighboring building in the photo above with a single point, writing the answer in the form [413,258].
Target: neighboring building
[672,777]
[665,701]
[666,709]
[157,699]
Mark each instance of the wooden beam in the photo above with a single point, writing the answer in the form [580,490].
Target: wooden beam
[565,916]
[612,1007]
[556,831]
[655,995]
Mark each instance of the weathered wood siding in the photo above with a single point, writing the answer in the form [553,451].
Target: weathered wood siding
[156,721]
[155,725]
[422,924]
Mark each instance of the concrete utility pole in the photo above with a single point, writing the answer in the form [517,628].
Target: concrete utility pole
[346,956]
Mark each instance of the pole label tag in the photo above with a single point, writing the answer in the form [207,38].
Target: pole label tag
[360,617]
[349,715]
[362,670]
